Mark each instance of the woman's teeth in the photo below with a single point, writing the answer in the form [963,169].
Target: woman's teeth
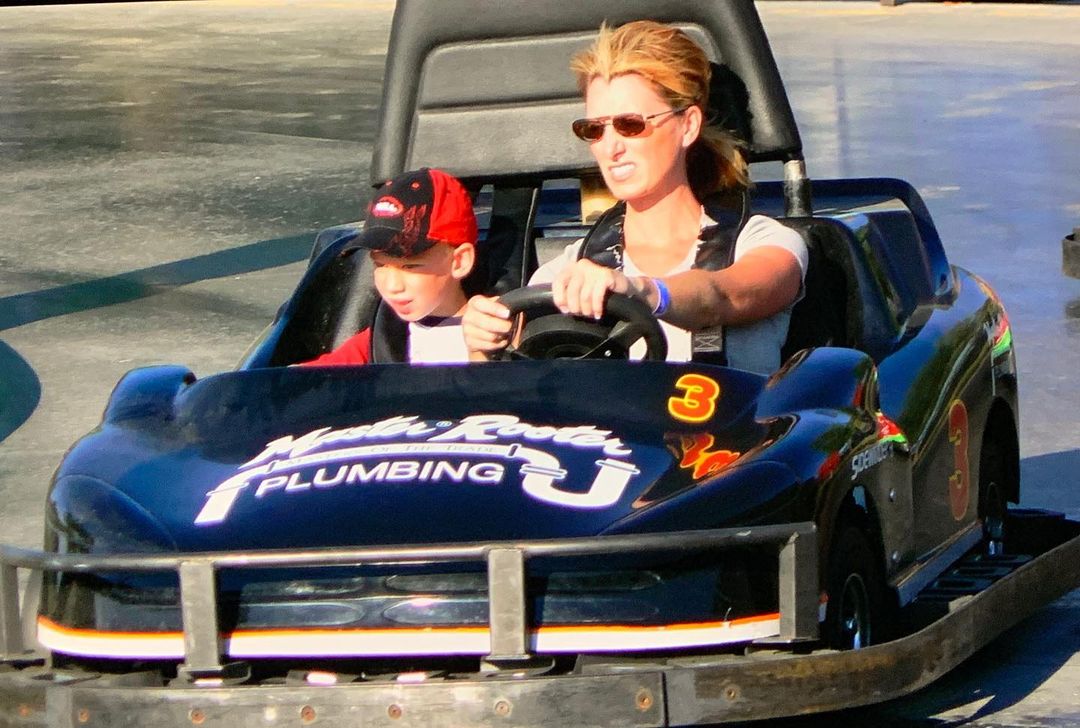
[621,172]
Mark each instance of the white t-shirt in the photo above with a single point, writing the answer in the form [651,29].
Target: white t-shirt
[754,347]
[437,341]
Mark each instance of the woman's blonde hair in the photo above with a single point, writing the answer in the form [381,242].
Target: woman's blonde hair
[679,71]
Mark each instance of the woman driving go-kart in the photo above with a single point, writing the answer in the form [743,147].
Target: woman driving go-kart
[722,285]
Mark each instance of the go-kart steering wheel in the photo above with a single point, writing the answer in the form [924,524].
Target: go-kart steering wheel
[547,333]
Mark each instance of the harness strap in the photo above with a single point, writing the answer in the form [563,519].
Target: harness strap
[604,245]
[389,337]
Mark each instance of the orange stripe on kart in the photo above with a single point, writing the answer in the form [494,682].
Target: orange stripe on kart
[402,631]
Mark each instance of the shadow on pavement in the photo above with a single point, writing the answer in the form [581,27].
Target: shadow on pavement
[980,690]
[24,308]
[1052,467]
[1050,481]
[1072,309]
[20,390]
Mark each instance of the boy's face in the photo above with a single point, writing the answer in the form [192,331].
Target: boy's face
[428,284]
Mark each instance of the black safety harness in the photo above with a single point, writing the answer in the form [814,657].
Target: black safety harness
[605,242]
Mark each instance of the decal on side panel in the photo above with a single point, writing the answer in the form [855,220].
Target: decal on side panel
[890,439]
[870,457]
[889,430]
[960,480]
[698,401]
[698,456]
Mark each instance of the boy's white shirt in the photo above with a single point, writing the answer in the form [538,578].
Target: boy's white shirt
[441,342]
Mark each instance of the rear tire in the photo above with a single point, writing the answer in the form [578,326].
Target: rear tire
[853,617]
[993,503]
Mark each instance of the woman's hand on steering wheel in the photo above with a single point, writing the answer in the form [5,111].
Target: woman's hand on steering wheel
[581,289]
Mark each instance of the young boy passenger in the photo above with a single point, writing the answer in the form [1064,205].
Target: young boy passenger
[421,233]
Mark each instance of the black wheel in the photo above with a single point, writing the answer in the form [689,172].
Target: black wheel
[992,497]
[549,334]
[855,588]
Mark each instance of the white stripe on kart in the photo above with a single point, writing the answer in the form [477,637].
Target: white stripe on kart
[391,642]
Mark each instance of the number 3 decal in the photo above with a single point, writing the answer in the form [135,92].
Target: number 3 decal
[960,480]
[698,402]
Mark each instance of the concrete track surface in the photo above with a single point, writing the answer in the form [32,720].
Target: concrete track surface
[163,167]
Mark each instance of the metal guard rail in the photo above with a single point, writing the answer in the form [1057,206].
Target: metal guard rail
[506,575]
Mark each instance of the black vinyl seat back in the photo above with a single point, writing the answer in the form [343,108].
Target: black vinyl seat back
[335,299]
[843,303]
[482,88]
[829,313]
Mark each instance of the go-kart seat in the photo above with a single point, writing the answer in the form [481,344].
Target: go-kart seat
[828,313]
[331,302]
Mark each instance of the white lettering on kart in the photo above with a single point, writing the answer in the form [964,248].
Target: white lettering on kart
[487,428]
[282,460]
[870,457]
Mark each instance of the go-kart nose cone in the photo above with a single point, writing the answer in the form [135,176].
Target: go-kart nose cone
[390,454]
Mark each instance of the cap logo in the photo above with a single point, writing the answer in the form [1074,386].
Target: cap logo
[410,232]
[387,207]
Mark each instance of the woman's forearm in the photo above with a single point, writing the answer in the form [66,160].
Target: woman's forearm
[760,284]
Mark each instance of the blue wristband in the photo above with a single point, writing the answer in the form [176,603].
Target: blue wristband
[663,297]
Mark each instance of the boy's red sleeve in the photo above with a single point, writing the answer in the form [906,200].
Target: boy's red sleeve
[357,350]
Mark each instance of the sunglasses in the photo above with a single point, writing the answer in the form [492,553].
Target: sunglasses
[627,125]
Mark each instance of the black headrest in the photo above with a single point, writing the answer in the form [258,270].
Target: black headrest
[483,89]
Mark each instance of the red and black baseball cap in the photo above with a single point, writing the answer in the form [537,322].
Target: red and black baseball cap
[415,210]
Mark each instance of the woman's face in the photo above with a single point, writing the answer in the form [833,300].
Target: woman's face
[646,167]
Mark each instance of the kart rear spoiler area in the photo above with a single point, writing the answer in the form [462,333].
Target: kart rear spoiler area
[602,691]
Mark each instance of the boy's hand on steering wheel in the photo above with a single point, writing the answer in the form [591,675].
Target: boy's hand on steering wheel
[486,327]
